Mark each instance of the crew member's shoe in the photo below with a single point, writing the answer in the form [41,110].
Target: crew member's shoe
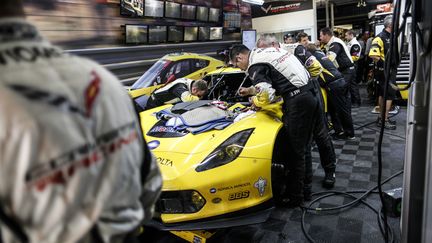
[392,122]
[388,125]
[329,180]
[338,136]
[394,109]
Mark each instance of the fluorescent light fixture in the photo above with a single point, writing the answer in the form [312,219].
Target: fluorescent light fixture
[257,2]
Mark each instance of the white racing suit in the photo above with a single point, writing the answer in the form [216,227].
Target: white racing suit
[71,149]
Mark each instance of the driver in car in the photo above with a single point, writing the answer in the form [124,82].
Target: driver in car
[180,90]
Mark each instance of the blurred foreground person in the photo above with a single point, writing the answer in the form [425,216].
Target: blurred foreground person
[73,164]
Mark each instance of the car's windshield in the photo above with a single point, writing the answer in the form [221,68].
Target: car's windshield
[149,77]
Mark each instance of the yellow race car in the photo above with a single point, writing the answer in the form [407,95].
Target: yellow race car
[173,66]
[216,176]
[219,177]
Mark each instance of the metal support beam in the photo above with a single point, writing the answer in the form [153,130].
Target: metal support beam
[315,25]
[331,16]
[327,13]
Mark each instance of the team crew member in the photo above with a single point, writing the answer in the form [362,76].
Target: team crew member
[277,72]
[180,90]
[288,39]
[355,51]
[379,49]
[320,131]
[353,45]
[338,53]
[73,163]
[334,83]
[310,63]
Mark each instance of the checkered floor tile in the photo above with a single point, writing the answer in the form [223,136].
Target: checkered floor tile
[357,169]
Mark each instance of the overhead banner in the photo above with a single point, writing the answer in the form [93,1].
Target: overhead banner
[280,7]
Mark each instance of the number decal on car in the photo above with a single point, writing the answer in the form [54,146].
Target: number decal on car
[238,195]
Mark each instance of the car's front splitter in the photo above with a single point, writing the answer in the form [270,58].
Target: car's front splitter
[249,216]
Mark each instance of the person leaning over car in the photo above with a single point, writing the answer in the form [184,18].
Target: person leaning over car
[276,72]
[339,54]
[74,166]
[335,85]
[320,132]
[180,90]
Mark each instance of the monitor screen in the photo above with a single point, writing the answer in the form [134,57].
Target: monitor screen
[204,33]
[188,11]
[190,33]
[157,34]
[154,8]
[249,38]
[202,13]
[215,33]
[172,10]
[134,8]
[175,33]
[214,14]
[136,34]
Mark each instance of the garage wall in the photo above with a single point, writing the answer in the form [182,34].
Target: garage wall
[286,22]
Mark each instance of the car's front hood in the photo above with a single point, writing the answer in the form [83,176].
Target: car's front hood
[187,143]
[180,155]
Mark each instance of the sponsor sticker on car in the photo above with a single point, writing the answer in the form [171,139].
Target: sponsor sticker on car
[261,185]
[164,161]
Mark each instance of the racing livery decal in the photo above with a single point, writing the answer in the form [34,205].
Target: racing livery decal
[238,195]
[233,187]
[261,185]
[163,161]
[91,93]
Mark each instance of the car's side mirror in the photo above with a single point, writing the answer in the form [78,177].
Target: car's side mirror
[158,79]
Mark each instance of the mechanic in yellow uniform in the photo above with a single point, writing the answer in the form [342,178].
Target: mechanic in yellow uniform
[380,47]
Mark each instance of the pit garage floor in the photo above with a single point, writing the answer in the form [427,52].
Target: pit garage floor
[357,169]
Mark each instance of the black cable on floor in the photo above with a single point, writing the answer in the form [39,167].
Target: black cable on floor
[357,200]
[369,123]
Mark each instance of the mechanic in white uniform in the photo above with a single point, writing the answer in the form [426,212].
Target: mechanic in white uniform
[73,163]
[273,72]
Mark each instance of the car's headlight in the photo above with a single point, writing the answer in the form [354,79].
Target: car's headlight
[188,201]
[226,152]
